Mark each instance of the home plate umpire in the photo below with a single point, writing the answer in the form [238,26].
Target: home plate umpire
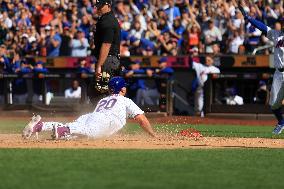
[107,49]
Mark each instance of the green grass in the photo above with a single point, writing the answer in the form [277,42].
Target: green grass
[166,169]
[226,168]
[12,126]
[214,130]
[16,126]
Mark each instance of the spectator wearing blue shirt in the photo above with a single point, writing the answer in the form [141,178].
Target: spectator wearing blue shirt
[24,20]
[163,26]
[4,61]
[20,84]
[20,66]
[83,68]
[164,70]
[4,5]
[124,35]
[148,50]
[147,47]
[16,63]
[39,67]
[79,45]
[53,42]
[134,45]
[65,21]
[6,64]
[141,3]
[134,84]
[150,96]
[177,29]
[39,83]
[85,26]
[173,12]
[25,68]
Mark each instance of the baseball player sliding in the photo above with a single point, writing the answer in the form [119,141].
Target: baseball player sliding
[277,90]
[108,118]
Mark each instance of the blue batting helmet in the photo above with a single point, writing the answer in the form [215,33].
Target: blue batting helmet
[115,84]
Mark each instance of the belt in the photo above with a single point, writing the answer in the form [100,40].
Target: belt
[280,69]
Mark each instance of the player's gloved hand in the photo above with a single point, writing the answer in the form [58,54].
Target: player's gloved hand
[102,82]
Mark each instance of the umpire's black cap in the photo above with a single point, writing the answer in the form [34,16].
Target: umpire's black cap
[100,3]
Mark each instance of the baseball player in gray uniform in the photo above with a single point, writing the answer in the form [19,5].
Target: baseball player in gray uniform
[277,90]
[108,118]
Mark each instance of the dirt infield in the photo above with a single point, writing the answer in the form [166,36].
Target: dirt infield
[164,141]
[140,142]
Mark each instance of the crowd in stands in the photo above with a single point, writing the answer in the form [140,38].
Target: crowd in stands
[176,27]
[52,28]
[149,27]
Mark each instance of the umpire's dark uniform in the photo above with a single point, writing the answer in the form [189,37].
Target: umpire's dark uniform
[107,31]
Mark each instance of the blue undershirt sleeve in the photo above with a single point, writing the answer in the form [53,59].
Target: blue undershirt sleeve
[258,24]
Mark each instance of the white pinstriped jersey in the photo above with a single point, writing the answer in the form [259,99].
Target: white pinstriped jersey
[118,107]
[277,92]
[202,72]
[277,37]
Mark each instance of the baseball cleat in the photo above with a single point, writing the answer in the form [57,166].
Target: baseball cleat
[61,132]
[33,127]
[278,129]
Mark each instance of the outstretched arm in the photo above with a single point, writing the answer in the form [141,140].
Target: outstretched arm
[145,124]
[256,23]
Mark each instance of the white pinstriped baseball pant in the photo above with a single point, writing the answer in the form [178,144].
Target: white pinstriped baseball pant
[277,90]
[95,125]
